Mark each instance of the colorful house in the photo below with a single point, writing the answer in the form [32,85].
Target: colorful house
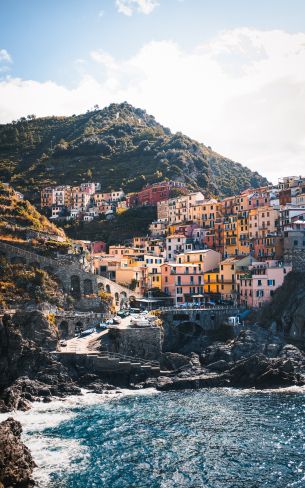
[259,283]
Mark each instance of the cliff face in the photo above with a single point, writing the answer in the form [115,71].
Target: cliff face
[287,308]
[16,462]
[27,371]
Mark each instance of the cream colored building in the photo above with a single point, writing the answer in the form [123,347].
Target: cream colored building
[207,259]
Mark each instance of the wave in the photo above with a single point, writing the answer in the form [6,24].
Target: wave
[53,454]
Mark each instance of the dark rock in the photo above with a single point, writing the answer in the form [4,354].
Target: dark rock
[287,308]
[195,360]
[28,372]
[36,327]
[256,371]
[262,372]
[172,361]
[219,366]
[16,462]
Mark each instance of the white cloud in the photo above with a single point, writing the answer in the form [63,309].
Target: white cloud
[101,13]
[5,56]
[243,93]
[128,7]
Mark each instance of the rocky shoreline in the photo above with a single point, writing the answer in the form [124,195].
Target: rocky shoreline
[16,462]
[257,358]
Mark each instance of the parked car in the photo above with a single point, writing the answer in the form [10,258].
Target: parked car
[123,313]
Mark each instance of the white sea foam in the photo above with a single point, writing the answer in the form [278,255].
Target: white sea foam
[54,454]
[267,391]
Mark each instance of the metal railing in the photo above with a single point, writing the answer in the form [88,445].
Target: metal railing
[199,308]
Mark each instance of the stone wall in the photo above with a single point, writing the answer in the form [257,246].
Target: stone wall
[73,279]
[207,320]
[143,342]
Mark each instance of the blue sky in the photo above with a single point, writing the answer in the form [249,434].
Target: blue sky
[45,37]
[230,73]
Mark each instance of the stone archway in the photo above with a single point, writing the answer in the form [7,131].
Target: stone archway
[117,298]
[88,288]
[101,287]
[75,286]
[63,329]
[108,289]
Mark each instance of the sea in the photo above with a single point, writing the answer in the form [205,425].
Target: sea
[216,438]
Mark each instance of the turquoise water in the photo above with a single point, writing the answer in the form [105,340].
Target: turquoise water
[214,439]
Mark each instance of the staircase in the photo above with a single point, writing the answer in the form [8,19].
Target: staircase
[109,362]
[125,363]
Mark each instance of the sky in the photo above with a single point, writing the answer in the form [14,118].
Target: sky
[228,73]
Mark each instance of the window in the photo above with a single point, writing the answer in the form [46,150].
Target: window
[259,282]
[271,282]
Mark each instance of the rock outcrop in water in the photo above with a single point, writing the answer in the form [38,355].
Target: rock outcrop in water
[256,358]
[27,371]
[16,462]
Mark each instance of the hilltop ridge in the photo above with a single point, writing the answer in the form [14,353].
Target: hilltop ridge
[120,146]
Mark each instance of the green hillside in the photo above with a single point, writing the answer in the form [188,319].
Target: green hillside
[119,146]
[23,283]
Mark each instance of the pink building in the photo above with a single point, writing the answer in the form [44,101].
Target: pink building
[183,282]
[257,286]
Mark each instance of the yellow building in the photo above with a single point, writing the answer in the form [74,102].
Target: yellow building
[230,269]
[243,241]
[132,276]
[153,264]
[230,236]
[205,213]
[211,282]
[119,250]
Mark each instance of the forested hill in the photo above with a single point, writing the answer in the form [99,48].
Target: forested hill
[120,146]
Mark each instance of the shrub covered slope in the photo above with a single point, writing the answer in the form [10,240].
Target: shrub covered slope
[120,146]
